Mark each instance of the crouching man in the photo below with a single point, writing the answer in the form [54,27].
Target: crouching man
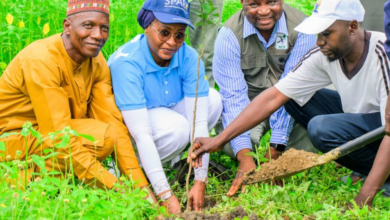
[355,62]
[62,81]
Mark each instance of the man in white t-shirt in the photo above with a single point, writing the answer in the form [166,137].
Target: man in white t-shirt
[355,62]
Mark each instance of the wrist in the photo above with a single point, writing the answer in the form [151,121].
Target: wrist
[165,195]
[243,157]
[200,183]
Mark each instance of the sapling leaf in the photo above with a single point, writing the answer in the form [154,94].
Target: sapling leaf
[5,166]
[206,8]
[251,154]
[88,137]
[24,132]
[35,133]
[51,155]
[74,133]
[7,134]
[64,142]
[2,146]
[263,159]
[40,162]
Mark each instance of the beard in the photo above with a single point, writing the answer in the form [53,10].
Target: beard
[337,54]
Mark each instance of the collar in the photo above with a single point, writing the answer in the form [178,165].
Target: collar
[280,27]
[61,47]
[151,64]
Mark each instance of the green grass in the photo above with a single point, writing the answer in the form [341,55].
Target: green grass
[316,193]
[30,20]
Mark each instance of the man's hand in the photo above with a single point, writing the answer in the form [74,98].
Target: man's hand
[378,175]
[273,154]
[202,146]
[246,164]
[196,198]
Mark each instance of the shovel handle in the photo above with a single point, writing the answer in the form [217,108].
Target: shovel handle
[362,141]
[352,145]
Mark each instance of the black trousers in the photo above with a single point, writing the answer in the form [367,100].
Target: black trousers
[329,127]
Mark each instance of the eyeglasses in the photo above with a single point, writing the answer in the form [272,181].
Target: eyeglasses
[165,35]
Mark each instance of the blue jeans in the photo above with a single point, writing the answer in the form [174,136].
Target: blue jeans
[329,127]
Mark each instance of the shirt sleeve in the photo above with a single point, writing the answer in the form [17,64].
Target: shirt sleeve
[232,86]
[138,123]
[387,26]
[281,122]
[201,127]
[51,107]
[191,73]
[103,108]
[128,81]
[383,82]
[307,77]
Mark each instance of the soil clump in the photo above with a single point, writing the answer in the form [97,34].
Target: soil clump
[209,202]
[290,162]
[238,212]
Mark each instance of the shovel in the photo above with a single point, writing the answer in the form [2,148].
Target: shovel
[328,157]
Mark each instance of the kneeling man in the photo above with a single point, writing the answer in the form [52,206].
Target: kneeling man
[355,62]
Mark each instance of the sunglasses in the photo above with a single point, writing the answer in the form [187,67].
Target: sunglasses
[165,35]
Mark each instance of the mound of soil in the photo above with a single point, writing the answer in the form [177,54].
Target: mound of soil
[287,164]
[238,212]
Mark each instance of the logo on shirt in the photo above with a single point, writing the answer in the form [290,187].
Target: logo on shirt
[281,41]
[317,6]
[178,4]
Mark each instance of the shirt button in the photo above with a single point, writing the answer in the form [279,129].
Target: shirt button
[166,82]
[166,92]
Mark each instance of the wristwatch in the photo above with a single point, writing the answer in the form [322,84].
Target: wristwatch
[166,196]
[278,147]
[205,180]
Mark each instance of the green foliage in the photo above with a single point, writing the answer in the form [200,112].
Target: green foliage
[48,197]
[314,194]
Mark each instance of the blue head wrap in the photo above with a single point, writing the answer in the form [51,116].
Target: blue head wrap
[145,17]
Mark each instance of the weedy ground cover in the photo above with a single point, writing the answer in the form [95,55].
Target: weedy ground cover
[314,194]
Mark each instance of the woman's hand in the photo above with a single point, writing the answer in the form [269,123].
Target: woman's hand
[172,204]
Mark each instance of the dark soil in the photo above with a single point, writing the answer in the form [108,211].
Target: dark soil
[287,164]
[209,202]
[238,212]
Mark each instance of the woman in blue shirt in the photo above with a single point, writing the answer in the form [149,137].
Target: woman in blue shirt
[154,79]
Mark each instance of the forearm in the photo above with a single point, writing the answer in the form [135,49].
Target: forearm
[257,111]
[281,124]
[138,124]
[201,129]
[378,174]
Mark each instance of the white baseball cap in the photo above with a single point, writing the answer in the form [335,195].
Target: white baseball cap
[326,12]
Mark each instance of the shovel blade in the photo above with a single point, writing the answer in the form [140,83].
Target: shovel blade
[249,179]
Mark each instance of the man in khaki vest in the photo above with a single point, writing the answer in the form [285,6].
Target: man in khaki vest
[255,47]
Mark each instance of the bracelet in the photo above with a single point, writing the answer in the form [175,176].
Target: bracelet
[205,180]
[278,147]
[166,195]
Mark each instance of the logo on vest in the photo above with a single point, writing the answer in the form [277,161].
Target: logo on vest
[281,41]
[178,4]
[317,6]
